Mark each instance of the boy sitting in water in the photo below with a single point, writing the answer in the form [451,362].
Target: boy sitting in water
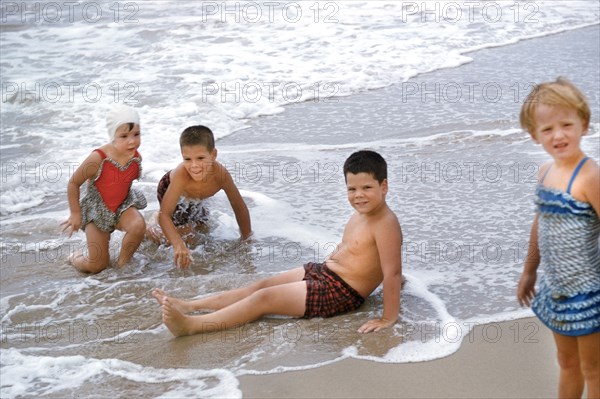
[181,191]
[370,252]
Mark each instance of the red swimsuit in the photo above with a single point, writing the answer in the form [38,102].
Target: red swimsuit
[109,193]
[113,184]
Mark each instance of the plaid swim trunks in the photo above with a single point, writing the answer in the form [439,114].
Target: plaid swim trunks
[327,294]
[186,211]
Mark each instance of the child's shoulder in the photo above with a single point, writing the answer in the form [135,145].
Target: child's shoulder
[386,227]
[592,165]
[544,169]
[180,174]
[590,172]
[221,173]
[392,217]
[99,153]
[386,219]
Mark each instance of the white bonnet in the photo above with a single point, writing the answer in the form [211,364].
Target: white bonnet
[118,115]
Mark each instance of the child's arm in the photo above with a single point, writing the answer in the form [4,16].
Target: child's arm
[592,186]
[85,171]
[388,238]
[181,255]
[526,288]
[242,215]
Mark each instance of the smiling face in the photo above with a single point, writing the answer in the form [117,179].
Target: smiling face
[559,130]
[198,161]
[365,194]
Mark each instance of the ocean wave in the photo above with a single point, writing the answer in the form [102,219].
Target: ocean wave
[34,375]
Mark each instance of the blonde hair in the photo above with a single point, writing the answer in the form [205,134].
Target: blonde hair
[560,92]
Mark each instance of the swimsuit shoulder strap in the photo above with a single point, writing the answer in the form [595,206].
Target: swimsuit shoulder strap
[575,172]
[546,173]
[102,153]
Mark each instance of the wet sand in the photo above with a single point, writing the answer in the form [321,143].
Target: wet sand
[513,359]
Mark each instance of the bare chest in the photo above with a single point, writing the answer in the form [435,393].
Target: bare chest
[201,190]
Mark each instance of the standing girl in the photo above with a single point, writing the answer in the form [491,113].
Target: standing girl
[564,236]
[110,203]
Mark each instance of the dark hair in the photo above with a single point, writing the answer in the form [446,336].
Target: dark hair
[197,135]
[366,161]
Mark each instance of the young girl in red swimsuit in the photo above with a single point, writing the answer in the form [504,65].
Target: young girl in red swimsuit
[110,203]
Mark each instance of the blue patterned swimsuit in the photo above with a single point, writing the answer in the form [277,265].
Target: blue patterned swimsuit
[568,297]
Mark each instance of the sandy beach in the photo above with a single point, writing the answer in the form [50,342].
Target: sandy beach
[514,359]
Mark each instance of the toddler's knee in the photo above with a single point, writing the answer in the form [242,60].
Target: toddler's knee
[568,361]
[590,369]
[260,298]
[137,227]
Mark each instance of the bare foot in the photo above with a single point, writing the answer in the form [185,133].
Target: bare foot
[79,262]
[176,322]
[73,258]
[181,305]
[83,264]
[121,263]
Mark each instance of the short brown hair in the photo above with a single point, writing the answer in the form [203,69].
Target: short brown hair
[197,135]
[366,161]
[560,92]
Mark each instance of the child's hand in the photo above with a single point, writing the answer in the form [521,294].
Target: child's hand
[375,325]
[72,224]
[181,256]
[526,288]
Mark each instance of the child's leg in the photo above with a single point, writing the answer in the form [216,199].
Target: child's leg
[571,382]
[98,256]
[589,354]
[134,226]
[223,299]
[285,299]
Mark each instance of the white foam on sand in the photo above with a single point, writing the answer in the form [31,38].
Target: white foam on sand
[24,375]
